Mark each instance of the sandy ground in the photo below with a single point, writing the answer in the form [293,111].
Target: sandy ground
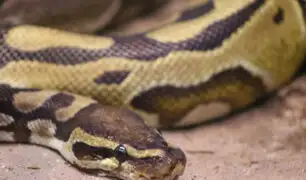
[263,143]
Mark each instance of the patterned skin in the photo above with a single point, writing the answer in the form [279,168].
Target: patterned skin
[223,56]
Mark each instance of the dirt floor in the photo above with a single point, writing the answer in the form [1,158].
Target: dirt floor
[264,143]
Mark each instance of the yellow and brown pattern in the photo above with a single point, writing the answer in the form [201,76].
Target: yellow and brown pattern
[92,98]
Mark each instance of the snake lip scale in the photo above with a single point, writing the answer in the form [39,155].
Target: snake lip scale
[98,100]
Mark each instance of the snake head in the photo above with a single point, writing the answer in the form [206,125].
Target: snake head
[117,143]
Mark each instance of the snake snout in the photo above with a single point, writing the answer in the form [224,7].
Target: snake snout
[178,154]
[177,163]
[168,167]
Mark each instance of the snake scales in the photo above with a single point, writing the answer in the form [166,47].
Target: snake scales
[87,96]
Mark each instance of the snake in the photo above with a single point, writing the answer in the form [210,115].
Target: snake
[100,100]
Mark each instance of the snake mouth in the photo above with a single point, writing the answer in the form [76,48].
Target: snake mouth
[173,173]
[168,167]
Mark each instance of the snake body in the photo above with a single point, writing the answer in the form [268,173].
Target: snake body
[96,99]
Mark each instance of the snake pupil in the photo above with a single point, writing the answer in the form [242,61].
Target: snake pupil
[120,149]
[121,153]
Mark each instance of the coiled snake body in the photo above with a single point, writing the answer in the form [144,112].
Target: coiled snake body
[215,58]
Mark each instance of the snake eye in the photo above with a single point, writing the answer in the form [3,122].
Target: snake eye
[121,152]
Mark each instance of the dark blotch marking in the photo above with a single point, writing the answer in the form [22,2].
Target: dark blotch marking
[138,46]
[173,103]
[21,132]
[214,35]
[86,152]
[112,77]
[58,101]
[279,16]
[198,11]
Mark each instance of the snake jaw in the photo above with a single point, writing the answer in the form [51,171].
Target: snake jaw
[168,167]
